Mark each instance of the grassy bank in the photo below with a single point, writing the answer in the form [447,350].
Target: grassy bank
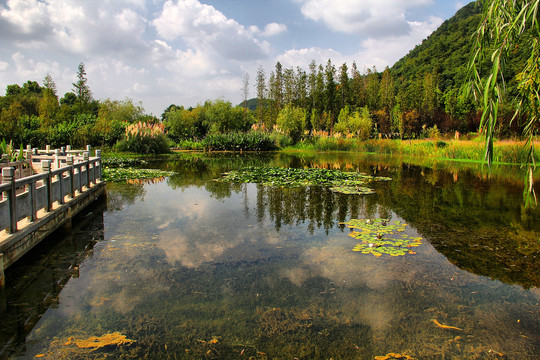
[505,152]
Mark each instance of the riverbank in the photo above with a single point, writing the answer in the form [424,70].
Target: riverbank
[505,152]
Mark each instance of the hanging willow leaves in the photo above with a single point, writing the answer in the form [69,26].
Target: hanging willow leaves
[503,24]
[379,237]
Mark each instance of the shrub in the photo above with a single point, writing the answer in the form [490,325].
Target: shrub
[250,141]
[292,120]
[143,138]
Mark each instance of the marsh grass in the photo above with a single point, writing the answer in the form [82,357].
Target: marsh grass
[505,152]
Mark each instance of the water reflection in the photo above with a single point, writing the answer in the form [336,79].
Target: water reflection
[35,282]
[193,268]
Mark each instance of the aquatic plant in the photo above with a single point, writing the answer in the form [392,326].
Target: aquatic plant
[117,161]
[123,174]
[378,237]
[293,177]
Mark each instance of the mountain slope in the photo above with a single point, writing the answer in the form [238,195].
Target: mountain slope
[445,52]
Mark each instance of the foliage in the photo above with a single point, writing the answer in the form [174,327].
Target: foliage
[504,24]
[144,138]
[128,173]
[293,177]
[292,121]
[221,117]
[122,162]
[182,124]
[250,141]
[8,152]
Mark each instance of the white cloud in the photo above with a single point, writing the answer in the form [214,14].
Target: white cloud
[24,19]
[371,53]
[4,66]
[374,18]
[75,26]
[274,29]
[203,27]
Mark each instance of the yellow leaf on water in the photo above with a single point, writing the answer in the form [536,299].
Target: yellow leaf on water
[442,326]
[97,342]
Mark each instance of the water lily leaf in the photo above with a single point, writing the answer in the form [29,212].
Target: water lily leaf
[293,177]
[379,236]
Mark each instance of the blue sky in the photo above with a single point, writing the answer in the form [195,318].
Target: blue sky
[162,52]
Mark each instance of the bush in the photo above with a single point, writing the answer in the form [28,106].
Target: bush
[251,141]
[280,140]
[143,138]
[292,120]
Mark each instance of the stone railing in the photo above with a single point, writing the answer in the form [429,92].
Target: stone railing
[59,178]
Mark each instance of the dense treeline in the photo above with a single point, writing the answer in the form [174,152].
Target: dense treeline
[34,114]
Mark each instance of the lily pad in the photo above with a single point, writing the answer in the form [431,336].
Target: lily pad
[379,236]
[123,174]
[293,177]
[359,190]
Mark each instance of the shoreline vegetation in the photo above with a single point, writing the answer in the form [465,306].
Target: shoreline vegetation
[455,156]
[506,152]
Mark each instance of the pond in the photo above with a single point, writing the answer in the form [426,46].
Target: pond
[186,267]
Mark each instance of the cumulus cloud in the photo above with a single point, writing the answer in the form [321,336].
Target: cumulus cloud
[373,18]
[370,54]
[73,26]
[274,29]
[24,19]
[203,27]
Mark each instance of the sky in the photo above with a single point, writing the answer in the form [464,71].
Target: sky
[184,52]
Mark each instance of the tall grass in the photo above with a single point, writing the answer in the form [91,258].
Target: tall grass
[511,152]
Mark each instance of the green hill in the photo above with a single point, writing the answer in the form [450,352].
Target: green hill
[445,52]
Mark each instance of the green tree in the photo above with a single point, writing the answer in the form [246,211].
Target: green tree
[221,117]
[81,89]
[261,95]
[344,86]
[292,120]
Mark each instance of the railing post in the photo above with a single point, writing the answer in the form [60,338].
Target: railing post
[47,148]
[98,155]
[2,276]
[46,167]
[69,162]
[8,174]
[56,158]
[86,156]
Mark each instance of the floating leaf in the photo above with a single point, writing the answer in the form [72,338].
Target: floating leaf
[96,342]
[392,356]
[124,174]
[379,237]
[359,190]
[293,177]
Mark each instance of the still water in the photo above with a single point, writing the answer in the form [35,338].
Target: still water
[189,268]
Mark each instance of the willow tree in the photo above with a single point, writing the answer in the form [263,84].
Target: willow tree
[503,23]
